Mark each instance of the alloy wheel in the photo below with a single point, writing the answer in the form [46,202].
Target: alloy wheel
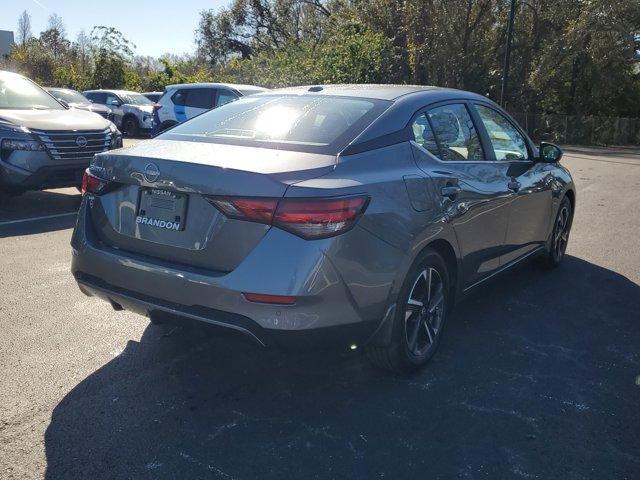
[561,234]
[424,313]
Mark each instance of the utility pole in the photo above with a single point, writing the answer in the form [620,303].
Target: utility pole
[507,53]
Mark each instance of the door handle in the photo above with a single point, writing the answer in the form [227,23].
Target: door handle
[450,191]
[513,185]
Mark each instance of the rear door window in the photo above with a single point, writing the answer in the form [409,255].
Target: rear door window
[179,97]
[455,133]
[507,142]
[424,136]
[200,98]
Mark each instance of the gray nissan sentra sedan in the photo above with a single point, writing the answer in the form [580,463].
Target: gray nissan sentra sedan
[346,214]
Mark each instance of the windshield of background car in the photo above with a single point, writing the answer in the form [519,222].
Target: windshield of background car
[69,96]
[22,94]
[135,99]
[310,123]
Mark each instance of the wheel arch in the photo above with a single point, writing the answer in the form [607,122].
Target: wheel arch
[448,254]
[130,115]
[447,250]
[571,195]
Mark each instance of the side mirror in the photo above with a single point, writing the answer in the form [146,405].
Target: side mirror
[549,153]
[114,103]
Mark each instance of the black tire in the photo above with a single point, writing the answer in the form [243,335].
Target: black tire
[130,127]
[560,235]
[400,356]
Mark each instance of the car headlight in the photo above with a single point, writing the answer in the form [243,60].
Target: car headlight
[13,144]
[10,127]
[116,137]
[114,129]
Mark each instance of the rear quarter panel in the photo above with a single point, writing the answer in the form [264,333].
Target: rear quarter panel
[374,258]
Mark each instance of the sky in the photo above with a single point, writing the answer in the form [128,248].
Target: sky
[155,27]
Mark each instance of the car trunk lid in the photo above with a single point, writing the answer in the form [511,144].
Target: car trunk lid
[160,210]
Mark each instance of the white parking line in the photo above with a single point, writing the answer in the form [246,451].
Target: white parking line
[34,219]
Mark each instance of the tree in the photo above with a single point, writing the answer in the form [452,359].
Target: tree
[112,52]
[83,47]
[54,37]
[249,27]
[23,34]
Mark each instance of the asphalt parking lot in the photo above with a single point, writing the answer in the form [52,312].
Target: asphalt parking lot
[537,377]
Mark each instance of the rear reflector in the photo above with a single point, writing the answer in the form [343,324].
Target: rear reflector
[273,299]
[93,184]
[309,218]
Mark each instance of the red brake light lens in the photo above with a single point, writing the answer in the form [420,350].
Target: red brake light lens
[319,218]
[93,184]
[243,208]
[309,218]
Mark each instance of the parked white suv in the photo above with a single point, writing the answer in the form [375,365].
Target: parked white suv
[180,102]
[132,111]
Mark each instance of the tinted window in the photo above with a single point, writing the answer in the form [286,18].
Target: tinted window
[455,133]
[423,134]
[225,96]
[507,142]
[97,97]
[112,100]
[179,97]
[295,122]
[200,98]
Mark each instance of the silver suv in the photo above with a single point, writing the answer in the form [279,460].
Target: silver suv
[42,143]
[132,111]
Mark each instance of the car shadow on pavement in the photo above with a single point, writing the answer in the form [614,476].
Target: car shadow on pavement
[38,212]
[535,378]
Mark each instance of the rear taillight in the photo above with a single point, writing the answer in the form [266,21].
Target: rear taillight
[94,185]
[309,218]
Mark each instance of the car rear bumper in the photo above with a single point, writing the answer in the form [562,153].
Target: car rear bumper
[338,336]
[325,312]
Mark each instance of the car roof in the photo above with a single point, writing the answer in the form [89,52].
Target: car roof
[60,89]
[236,86]
[7,74]
[110,90]
[374,91]
[405,101]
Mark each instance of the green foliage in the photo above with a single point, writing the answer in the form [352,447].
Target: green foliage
[577,57]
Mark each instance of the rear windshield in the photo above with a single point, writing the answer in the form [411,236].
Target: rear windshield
[321,124]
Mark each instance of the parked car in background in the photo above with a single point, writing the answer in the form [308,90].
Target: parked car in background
[153,96]
[75,99]
[44,144]
[180,102]
[132,111]
[355,214]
